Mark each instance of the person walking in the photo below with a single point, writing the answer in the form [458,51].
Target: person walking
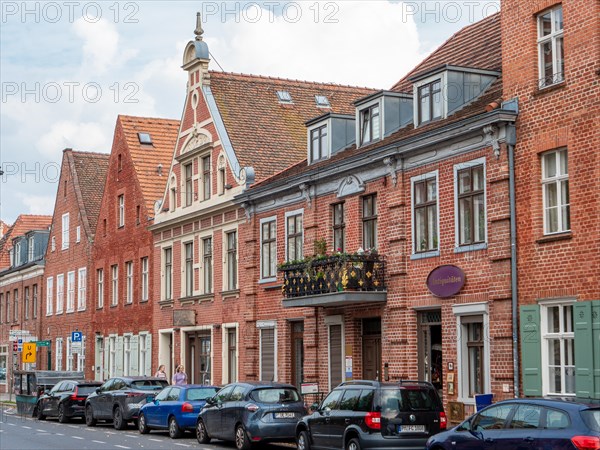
[179,377]
[160,373]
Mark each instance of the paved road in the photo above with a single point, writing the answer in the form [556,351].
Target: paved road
[25,433]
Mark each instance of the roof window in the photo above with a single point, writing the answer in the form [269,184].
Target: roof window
[284,97]
[145,138]
[322,101]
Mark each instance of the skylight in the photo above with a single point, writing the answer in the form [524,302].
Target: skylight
[322,101]
[145,138]
[284,96]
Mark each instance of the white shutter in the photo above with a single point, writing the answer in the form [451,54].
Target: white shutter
[119,357]
[148,355]
[106,344]
[134,346]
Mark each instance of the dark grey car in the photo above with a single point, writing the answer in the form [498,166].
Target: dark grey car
[251,413]
[119,399]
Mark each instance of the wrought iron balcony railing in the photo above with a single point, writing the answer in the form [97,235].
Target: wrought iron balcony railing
[331,274]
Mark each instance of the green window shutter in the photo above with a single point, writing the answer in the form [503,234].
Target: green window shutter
[531,350]
[596,345]
[584,365]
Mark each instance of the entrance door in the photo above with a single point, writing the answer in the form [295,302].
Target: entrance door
[198,357]
[371,349]
[297,353]
[430,347]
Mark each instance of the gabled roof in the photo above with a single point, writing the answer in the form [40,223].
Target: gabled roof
[147,158]
[475,46]
[259,125]
[23,224]
[89,175]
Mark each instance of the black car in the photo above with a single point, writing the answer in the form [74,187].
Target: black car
[65,400]
[372,415]
[119,399]
[251,413]
[557,424]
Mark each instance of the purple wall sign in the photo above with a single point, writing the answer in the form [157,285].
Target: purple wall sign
[445,281]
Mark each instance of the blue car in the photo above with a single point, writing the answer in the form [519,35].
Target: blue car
[528,423]
[175,408]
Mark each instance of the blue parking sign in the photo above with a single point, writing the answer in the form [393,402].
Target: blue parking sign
[76,336]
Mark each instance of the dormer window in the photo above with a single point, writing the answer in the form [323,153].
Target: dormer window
[318,143]
[322,101]
[31,249]
[284,97]
[17,254]
[369,124]
[430,101]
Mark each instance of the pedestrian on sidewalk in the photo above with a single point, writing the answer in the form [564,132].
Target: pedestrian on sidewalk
[160,373]
[179,377]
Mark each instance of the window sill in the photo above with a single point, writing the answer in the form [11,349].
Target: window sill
[80,309]
[267,280]
[129,304]
[98,308]
[165,302]
[470,248]
[424,255]
[568,235]
[550,88]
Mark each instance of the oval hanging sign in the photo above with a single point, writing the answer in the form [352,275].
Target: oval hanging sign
[445,281]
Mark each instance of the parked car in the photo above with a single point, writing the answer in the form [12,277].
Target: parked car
[251,413]
[557,424]
[175,408]
[65,400]
[371,414]
[119,399]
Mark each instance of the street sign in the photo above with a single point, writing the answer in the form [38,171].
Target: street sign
[12,334]
[309,388]
[75,347]
[76,336]
[15,346]
[29,350]
[42,343]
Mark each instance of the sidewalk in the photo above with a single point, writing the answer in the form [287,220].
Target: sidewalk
[4,397]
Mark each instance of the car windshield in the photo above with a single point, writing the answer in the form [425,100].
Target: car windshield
[85,389]
[148,385]
[200,393]
[394,401]
[591,417]
[275,395]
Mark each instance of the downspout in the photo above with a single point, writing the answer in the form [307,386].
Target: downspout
[511,140]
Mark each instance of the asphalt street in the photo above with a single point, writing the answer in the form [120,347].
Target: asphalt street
[25,433]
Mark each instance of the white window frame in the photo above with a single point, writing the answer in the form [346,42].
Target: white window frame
[49,295]
[143,356]
[262,262]
[297,212]
[462,354]
[69,354]
[114,294]
[226,271]
[81,356]
[65,231]
[326,151]
[267,325]
[121,200]
[359,110]
[126,354]
[413,180]
[17,253]
[225,352]
[167,296]
[53,244]
[112,355]
[30,248]
[558,180]
[4,358]
[443,78]
[100,286]
[546,336]
[59,354]
[60,290]
[553,37]
[185,271]
[81,289]
[144,278]
[70,291]
[78,234]
[480,245]
[329,321]
[208,273]
[129,283]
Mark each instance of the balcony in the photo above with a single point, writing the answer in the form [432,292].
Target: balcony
[337,280]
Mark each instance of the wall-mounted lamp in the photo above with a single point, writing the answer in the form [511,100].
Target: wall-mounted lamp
[228,186]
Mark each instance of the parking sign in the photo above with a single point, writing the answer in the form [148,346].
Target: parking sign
[76,336]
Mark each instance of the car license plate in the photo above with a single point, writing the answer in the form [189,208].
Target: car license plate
[411,428]
[285,415]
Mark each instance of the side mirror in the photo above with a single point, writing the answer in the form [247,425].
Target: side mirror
[156,402]
[314,406]
[98,390]
[210,401]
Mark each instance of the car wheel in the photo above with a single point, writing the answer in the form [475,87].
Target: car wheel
[201,433]
[302,441]
[39,412]
[118,421]
[89,416]
[141,425]
[353,444]
[174,430]
[62,418]
[241,438]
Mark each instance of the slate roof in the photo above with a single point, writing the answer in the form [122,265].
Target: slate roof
[146,158]
[90,171]
[258,124]
[23,224]
[477,46]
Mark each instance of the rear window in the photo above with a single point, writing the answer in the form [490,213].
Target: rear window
[406,400]
[148,385]
[275,395]
[200,393]
[591,417]
[86,390]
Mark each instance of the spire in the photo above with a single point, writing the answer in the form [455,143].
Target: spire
[198,31]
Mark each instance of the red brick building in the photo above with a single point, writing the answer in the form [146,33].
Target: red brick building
[123,266]
[550,63]
[67,275]
[23,247]
[407,233]
[235,129]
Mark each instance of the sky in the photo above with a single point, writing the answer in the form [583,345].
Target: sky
[67,69]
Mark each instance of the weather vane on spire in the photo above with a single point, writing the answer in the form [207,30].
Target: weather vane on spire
[198,31]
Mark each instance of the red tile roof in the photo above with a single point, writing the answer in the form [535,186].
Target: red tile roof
[259,125]
[89,177]
[146,158]
[23,224]
[476,45]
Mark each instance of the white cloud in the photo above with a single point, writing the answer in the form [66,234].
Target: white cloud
[37,204]
[75,135]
